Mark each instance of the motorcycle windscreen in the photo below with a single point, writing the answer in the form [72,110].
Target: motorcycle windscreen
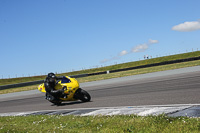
[65,80]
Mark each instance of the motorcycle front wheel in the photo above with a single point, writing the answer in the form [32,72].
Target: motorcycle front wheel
[83,95]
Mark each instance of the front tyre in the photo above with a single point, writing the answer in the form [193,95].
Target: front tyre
[83,95]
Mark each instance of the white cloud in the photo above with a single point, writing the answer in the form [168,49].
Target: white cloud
[187,26]
[140,48]
[124,52]
[107,60]
[152,41]
[143,47]
[103,61]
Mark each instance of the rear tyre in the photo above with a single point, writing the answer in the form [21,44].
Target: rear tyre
[57,103]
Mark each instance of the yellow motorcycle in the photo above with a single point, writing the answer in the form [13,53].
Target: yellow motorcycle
[72,92]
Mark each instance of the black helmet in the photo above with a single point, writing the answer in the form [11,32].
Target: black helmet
[51,77]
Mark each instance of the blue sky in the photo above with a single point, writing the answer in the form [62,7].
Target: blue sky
[41,36]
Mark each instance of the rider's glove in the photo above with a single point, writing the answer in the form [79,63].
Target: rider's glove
[61,91]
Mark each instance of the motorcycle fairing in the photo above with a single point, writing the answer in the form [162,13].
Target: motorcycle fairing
[71,85]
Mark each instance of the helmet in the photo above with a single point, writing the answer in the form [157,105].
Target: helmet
[51,77]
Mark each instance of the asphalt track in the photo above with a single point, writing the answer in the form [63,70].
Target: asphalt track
[181,86]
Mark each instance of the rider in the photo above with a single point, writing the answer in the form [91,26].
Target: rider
[50,82]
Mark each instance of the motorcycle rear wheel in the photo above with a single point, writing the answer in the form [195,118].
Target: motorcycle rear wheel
[56,102]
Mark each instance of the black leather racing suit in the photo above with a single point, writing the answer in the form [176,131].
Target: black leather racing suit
[51,93]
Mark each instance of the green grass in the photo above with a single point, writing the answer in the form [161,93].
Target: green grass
[101,69]
[104,124]
[139,71]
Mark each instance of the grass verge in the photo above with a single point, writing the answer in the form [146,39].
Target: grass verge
[115,75]
[101,69]
[139,71]
[19,89]
[104,124]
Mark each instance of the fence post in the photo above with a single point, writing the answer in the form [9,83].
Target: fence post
[108,72]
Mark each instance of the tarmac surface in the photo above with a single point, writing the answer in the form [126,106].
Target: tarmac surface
[174,92]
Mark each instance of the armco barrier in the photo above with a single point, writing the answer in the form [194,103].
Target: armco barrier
[79,76]
[98,73]
[105,72]
[3,87]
